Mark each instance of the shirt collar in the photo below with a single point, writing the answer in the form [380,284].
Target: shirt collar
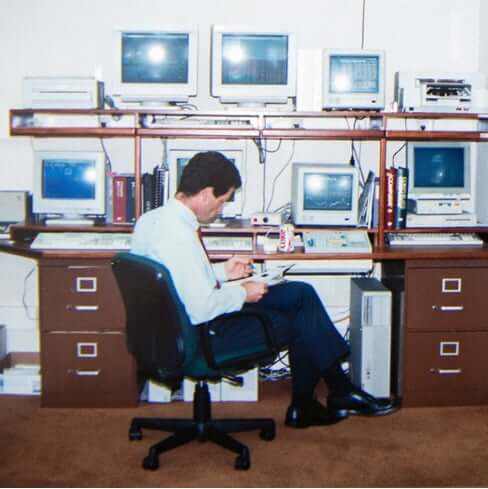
[184,213]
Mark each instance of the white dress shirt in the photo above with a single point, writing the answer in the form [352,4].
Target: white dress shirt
[169,235]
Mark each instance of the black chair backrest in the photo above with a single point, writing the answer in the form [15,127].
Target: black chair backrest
[159,332]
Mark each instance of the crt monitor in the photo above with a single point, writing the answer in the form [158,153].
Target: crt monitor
[353,79]
[69,185]
[440,170]
[324,194]
[178,158]
[158,67]
[253,68]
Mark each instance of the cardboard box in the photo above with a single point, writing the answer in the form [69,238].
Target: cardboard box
[20,374]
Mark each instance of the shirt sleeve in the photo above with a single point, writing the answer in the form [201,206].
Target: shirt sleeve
[194,277]
[219,270]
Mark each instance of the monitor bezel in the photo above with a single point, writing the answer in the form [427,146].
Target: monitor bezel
[464,192]
[352,100]
[159,93]
[326,217]
[69,207]
[247,93]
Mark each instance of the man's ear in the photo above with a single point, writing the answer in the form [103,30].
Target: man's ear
[207,193]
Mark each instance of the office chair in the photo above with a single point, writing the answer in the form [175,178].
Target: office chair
[167,348]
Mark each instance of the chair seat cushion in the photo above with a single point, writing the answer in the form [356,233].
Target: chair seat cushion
[237,341]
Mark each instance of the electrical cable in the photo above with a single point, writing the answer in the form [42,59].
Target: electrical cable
[363,24]
[273,185]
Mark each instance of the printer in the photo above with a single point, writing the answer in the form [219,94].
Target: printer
[439,91]
[54,92]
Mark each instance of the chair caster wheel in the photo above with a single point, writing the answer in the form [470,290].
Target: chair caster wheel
[267,434]
[135,435]
[150,463]
[243,461]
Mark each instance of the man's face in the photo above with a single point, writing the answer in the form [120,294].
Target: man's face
[212,206]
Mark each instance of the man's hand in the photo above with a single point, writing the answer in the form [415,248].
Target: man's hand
[254,290]
[238,267]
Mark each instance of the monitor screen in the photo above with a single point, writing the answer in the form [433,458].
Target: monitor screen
[439,167]
[155,57]
[354,74]
[253,68]
[324,194]
[322,191]
[73,179]
[157,67]
[254,59]
[69,183]
[353,79]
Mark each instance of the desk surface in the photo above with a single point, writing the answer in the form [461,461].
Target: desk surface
[22,248]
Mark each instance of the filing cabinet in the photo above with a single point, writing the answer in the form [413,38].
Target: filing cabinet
[84,357]
[446,336]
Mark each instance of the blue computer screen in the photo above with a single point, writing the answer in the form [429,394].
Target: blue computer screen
[155,57]
[73,179]
[329,192]
[254,59]
[354,74]
[439,167]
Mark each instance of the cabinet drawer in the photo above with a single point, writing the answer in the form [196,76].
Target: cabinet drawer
[87,370]
[446,368]
[446,299]
[80,298]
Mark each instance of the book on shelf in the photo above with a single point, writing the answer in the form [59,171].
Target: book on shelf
[119,198]
[109,198]
[401,197]
[147,193]
[123,198]
[376,204]
[131,199]
[365,205]
[390,207]
[160,185]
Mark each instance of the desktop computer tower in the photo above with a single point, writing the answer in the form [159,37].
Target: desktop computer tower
[370,336]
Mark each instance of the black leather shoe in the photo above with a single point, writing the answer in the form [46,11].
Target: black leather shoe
[312,414]
[360,403]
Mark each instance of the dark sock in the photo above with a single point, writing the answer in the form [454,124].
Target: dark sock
[337,380]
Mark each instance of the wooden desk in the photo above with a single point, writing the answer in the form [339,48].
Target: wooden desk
[440,353]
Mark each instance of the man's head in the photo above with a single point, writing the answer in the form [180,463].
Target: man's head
[207,182]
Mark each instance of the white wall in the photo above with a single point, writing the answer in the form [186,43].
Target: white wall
[77,38]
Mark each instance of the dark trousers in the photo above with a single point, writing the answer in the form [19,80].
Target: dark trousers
[301,324]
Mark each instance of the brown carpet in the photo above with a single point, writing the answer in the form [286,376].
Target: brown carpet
[415,447]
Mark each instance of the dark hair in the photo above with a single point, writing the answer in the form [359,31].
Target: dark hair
[209,169]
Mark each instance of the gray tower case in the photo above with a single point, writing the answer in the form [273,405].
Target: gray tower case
[370,336]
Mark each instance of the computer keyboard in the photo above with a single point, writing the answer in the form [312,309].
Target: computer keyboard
[228,243]
[336,242]
[434,239]
[82,241]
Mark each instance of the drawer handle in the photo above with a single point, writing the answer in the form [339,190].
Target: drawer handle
[83,308]
[86,284]
[446,371]
[87,373]
[448,308]
[86,350]
[452,285]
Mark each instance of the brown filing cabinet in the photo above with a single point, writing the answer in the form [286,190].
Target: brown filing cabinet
[84,357]
[446,336]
